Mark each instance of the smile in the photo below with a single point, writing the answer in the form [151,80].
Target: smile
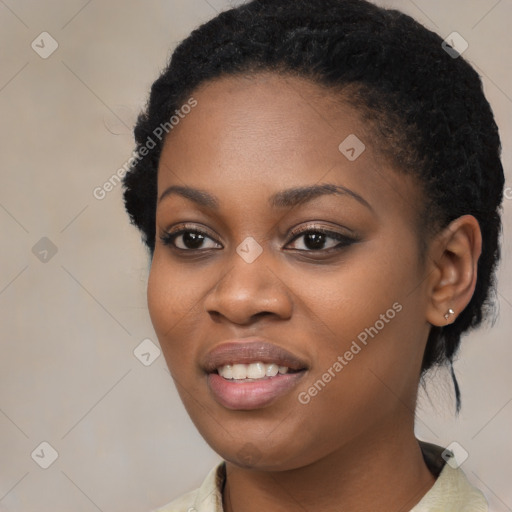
[251,373]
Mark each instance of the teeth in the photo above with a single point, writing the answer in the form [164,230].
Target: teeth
[239,371]
[227,371]
[256,370]
[272,370]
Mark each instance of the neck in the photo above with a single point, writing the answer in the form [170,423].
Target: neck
[384,472]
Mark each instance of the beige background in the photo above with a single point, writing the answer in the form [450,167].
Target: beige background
[68,374]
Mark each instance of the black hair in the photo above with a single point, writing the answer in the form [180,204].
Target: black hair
[426,104]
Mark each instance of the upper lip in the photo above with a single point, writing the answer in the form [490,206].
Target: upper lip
[246,352]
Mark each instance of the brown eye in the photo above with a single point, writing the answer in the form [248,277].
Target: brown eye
[188,240]
[321,240]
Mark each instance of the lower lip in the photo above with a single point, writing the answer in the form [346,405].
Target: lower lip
[253,394]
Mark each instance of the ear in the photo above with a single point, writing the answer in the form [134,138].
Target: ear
[453,270]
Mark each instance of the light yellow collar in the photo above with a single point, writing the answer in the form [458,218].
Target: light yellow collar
[451,492]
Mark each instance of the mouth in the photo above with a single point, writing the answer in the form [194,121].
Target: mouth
[245,375]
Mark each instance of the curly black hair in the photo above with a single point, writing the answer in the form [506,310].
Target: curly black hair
[426,105]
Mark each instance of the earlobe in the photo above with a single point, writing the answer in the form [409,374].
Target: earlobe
[453,270]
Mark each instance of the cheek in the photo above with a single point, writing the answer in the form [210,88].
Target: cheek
[369,314]
[174,298]
[349,299]
[173,291]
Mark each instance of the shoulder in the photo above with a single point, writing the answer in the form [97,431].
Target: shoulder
[452,491]
[184,503]
[206,498]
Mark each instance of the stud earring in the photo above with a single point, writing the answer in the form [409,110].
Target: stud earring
[449,313]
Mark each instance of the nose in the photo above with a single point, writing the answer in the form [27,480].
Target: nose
[247,292]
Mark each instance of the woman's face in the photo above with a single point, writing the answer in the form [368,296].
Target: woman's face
[292,251]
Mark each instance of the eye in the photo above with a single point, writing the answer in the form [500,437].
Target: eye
[189,239]
[320,239]
[315,239]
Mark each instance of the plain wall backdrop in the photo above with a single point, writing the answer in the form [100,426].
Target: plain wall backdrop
[73,271]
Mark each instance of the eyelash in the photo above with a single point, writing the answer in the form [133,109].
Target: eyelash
[168,239]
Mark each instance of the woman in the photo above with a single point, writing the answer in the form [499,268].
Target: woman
[319,186]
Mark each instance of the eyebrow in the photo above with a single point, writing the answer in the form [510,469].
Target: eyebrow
[284,199]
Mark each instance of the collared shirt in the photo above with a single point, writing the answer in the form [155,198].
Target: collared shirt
[451,492]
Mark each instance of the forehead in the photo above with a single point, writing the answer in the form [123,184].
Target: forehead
[261,133]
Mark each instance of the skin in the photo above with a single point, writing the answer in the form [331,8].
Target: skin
[352,447]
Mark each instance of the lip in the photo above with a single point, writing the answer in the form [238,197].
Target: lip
[254,394]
